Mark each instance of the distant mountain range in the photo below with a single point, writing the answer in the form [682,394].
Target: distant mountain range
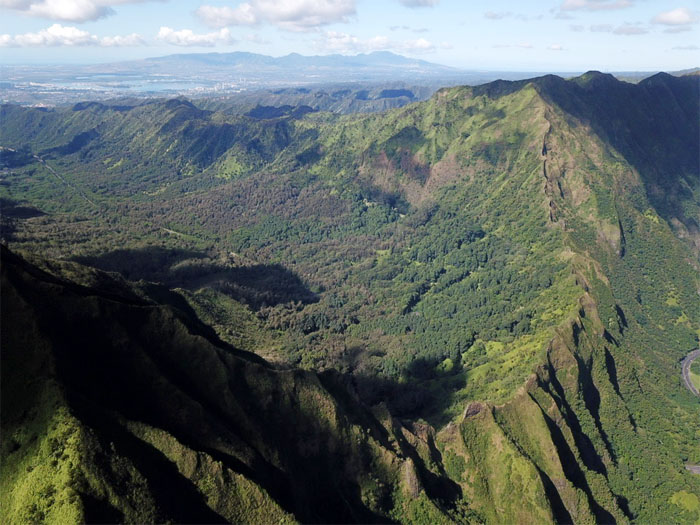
[377,62]
[214,74]
[292,69]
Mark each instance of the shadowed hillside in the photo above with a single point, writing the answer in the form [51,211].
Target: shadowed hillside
[119,409]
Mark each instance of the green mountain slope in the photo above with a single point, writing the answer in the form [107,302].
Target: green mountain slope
[145,417]
[511,269]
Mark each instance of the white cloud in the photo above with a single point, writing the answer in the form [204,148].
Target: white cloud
[676,17]
[625,29]
[291,15]
[629,29]
[337,42]
[419,3]
[686,48]
[678,29]
[188,38]
[408,28]
[131,40]
[522,45]
[58,35]
[576,28]
[561,15]
[555,47]
[594,5]
[491,15]
[416,46]
[66,10]
[242,15]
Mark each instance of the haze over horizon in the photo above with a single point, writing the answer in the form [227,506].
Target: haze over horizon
[561,36]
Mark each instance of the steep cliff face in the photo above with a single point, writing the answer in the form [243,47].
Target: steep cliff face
[604,420]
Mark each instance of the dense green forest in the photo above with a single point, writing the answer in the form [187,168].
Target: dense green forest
[501,281]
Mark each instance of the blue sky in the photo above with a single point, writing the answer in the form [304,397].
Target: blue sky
[556,35]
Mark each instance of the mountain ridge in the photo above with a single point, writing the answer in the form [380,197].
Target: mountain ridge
[88,405]
[296,59]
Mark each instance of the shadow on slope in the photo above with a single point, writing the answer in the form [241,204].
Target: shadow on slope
[155,392]
[13,209]
[11,212]
[423,393]
[257,285]
[11,158]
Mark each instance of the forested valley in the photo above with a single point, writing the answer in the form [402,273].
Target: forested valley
[469,309]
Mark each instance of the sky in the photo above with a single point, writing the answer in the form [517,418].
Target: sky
[497,35]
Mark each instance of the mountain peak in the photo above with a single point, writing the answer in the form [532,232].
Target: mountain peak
[594,79]
[387,54]
[658,78]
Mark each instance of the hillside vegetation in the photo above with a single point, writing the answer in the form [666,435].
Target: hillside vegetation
[490,293]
